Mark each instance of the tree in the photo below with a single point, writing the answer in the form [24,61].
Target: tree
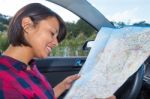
[142,23]
[84,27]
[3,41]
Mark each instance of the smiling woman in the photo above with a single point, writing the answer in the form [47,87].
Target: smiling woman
[32,33]
[78,30]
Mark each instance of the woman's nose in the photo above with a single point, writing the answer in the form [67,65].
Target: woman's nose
[55,42]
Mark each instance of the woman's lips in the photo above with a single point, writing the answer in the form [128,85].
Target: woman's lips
[49,49]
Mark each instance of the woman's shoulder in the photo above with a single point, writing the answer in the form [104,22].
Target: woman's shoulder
[4,69]
[3,64]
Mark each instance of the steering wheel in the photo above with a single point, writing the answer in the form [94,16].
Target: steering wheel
[131,88]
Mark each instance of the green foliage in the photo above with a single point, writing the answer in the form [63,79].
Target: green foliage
[77,34]
[3,27]
[74,29]
[83,27]
[4,21]
[72,47]
[3,41]
[142,23]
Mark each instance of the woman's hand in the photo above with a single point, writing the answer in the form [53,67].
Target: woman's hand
[65,84]
[112,97]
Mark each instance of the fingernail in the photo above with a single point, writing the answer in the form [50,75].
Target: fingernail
[78,75]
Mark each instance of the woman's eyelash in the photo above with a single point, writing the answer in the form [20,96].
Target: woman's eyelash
[53,34]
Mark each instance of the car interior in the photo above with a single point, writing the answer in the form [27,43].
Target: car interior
[58,68]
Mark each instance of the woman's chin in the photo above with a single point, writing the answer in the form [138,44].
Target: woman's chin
[43,55]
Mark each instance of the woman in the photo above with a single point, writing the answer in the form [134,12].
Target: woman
[32,33]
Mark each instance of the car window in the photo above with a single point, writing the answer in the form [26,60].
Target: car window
[126,11]
[78,31]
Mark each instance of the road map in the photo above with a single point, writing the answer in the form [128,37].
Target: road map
[115,55]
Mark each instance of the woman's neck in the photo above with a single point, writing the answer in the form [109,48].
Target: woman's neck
[21,53]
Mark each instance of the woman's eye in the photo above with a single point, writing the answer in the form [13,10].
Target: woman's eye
[52,34]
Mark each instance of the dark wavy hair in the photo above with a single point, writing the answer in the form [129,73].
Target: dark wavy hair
[36,12]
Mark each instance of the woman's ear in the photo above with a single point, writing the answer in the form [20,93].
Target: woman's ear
[27,24]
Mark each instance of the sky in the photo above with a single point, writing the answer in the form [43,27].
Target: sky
[128,11]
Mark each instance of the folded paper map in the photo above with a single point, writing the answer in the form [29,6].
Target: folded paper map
[114,56]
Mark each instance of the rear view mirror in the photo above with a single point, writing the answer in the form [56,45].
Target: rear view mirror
[88,44]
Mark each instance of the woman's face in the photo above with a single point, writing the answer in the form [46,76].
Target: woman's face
[43,37]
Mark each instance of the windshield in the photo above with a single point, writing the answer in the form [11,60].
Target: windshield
[127,11]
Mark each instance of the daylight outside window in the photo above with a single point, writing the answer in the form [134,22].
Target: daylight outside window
[119,13]
[127,12]
[78,31]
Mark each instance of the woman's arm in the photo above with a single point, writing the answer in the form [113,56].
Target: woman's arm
[65,84]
